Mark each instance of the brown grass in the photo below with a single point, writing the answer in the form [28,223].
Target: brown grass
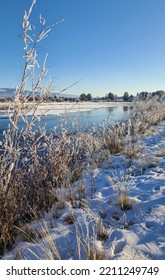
[96,255]
[70,218]
[124,202]
[30,177]
[102,232]
[132,151]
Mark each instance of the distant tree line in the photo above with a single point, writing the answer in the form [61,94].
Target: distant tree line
[159,94]
[85,97]
[126,97]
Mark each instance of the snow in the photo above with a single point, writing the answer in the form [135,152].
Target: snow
[137,233]
[64,107]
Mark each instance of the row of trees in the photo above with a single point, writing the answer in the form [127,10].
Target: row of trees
[85,97]
[160,94]
[110,96]
[125,97]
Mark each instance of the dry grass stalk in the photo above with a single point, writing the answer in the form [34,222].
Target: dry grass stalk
[102,232]
[119,184]
[124,202]
[22,176]
[70,218]
[96,255]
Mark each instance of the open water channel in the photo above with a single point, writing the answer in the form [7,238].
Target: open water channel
[81,120]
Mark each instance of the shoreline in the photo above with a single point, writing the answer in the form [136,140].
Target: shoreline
[65,107]
[145,184]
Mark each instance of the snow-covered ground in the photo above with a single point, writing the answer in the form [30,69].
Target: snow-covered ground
[100,223]
[65,107]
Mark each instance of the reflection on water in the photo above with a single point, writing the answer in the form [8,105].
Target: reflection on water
[110,109]
[88,112]
[84,120]
[125,108]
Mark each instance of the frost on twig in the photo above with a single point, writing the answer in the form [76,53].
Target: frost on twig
[34,72]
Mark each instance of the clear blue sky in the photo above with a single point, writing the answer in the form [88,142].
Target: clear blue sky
[116,45]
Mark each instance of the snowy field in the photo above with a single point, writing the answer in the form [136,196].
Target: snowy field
[101,227]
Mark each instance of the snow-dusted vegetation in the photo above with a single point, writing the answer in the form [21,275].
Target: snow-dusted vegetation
[90,195]
[100,209]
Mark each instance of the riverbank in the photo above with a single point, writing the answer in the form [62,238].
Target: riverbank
[102,227]
[65,107]
[91,195]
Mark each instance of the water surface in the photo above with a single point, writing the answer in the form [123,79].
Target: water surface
[81,120]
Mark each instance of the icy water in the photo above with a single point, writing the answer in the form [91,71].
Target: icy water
[82,120]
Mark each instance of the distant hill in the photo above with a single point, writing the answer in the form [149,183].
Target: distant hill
[9,92]
[6,92]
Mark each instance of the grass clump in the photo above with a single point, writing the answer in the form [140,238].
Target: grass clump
[124,202]
[102,232]
[119,184]
[132,151]
[112,138]
[70,218]
[95,254]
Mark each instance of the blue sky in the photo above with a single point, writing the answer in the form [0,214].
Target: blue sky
[116,45]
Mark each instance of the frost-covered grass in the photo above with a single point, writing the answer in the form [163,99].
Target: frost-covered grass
[56,201]
[102,227]
[50,177]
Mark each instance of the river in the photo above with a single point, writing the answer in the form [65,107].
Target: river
[81,120]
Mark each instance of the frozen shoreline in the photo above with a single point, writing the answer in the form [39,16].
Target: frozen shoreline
[65,107]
